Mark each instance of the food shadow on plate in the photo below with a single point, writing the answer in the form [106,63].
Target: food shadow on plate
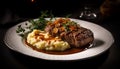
[32,63]
[97,43]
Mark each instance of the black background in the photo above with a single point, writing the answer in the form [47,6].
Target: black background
[13,12]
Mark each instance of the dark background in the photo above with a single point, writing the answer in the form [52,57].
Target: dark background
[13,12]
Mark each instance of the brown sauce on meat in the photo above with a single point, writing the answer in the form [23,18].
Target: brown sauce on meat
[69,51]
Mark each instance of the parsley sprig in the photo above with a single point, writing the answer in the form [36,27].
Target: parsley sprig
[40,23]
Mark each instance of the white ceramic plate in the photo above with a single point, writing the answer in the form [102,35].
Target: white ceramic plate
[103,41]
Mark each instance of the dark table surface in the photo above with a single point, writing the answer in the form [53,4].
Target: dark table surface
[14,60]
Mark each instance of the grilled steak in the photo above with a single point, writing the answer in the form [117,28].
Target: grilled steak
[77,36]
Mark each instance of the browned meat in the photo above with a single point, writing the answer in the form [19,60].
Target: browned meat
[78,38]
[49,28]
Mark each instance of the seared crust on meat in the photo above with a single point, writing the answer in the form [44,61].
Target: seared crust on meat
[77,36]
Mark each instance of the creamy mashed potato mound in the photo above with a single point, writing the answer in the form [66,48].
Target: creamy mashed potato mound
[43,40]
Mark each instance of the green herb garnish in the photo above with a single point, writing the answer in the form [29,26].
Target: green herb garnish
[20,29]
[39,23]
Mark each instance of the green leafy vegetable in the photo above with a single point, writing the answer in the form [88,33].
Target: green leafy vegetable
[39,23]
[20,29]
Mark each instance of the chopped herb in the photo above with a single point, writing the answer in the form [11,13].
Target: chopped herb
[66,27]
[51,16]
[20,29]
[41,23]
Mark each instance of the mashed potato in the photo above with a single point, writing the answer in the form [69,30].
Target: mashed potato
[43,40]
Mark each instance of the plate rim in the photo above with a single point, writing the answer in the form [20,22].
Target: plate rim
[8,45]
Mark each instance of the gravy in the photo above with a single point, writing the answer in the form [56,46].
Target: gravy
[69,51]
